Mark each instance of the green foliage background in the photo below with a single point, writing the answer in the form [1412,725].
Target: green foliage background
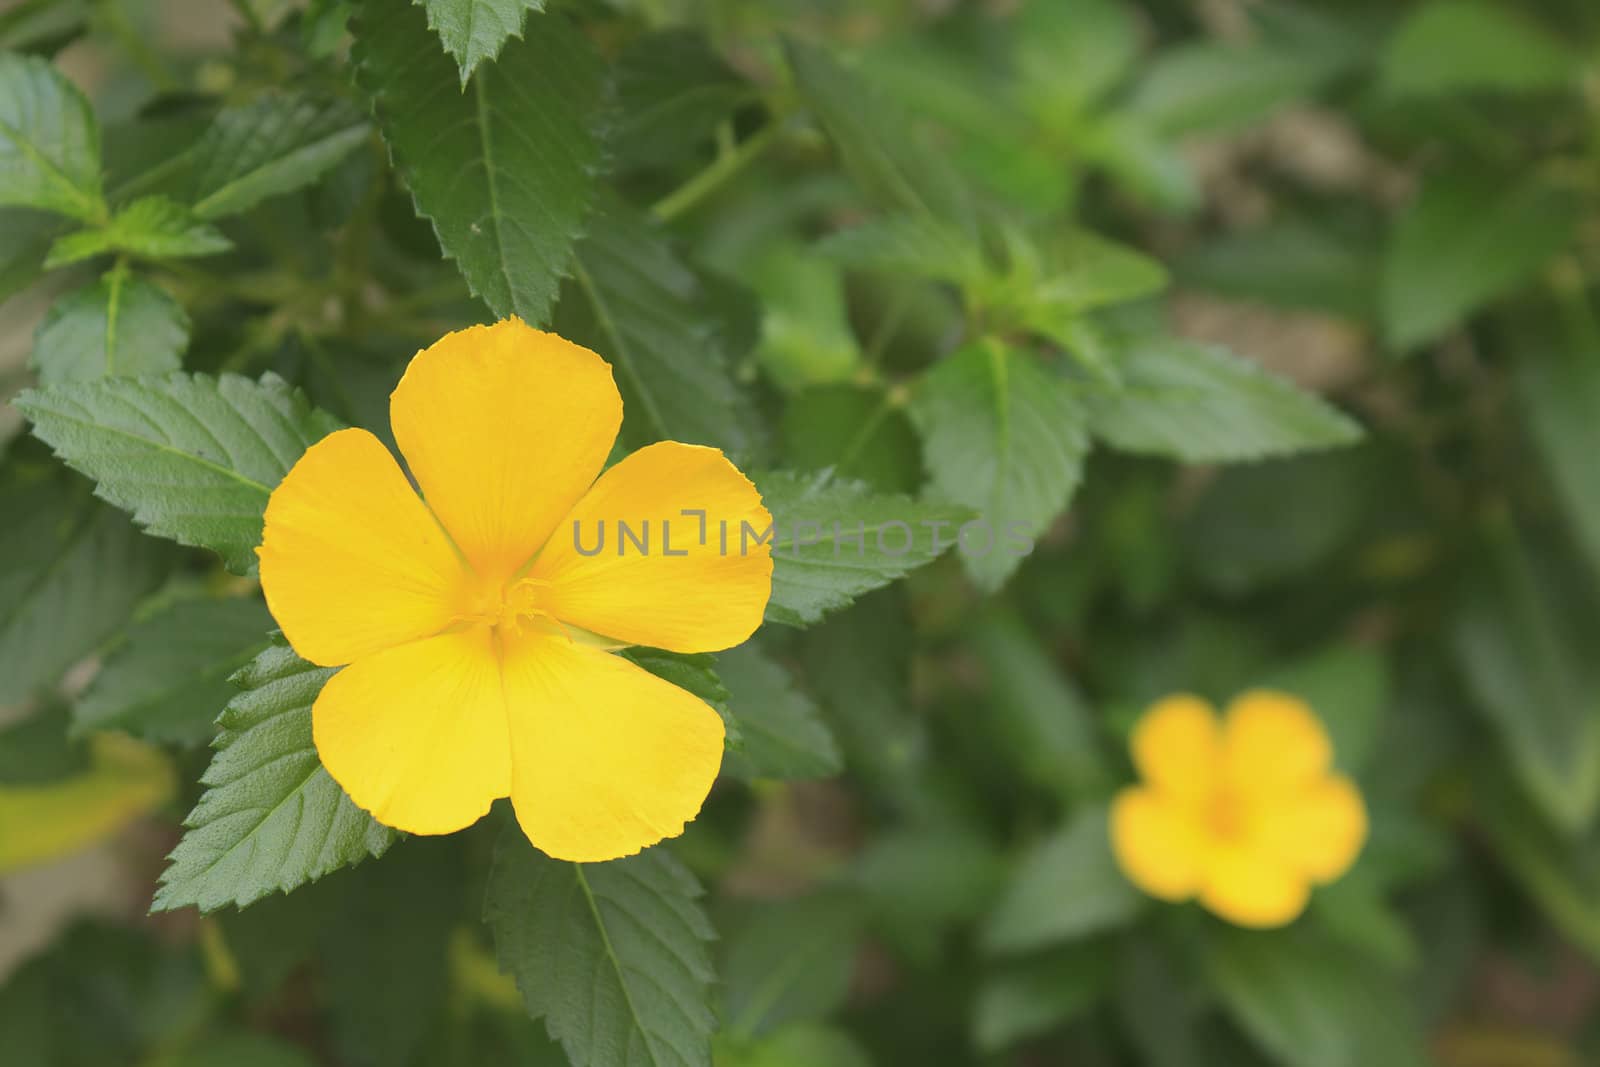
[1272,323]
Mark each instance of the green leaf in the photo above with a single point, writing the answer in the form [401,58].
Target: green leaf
[271,818]
[1201,404]
[632,300]
[806,338]
[193,458]
[1216,87]
[475,30]
[833,541]
[781,733]
[672,91]
[861,433]
[1007,437]
[1069,56]
[154,227]
[1558,389]
[1450,46]
[1291,264]
[694,673]
[877,141]
[798,1045]
[29,235]
[72,570]
[1042,718]
[49,143]
[1468,239]
[119,326]
[611,955]
[169,680]
[1347,685]
[1031,998]
[277,143]
[241,1048]
[38,749]
[1067,888]
[1517,641]
[503,169]
[920,246]
[788,961]
[1298,1000]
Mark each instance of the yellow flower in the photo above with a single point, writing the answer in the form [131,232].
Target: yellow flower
[475,628]
[1246,814]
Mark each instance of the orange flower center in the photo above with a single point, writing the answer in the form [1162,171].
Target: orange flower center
[1225,814]
[511,607]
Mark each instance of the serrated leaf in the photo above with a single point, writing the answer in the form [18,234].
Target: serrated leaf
[503,168]
[1007,437]
[611,955]
[1467,239]
[169,681]
[271,817]
[782,734]
[672,91]
[49,142]
[1201,404]
[277,143]
[155,227]
[1067,888]
[192,457]
[72,570]
[1468,45]
[119,326]
[835,540]
[877,141]
[475,30]
[632,300]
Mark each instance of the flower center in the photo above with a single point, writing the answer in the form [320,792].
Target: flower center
[513,607]
[1226,814]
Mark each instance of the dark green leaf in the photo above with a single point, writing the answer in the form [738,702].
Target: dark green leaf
[1289,264]
[1466,240]
[633,301]
[611,955]
[1006,437]
[241,1048]
[917,245]
[1067,888]
[833,541]
[672,91]
[1215,87]
[169,680]
[277,143]
[49,143]
[1348,687]
[153,227]
[475,30]
[503,168]
[271,818]
[193,458]
[1201,404]
[787,961]
[859,432]
[1027,999]
[1469,45]
[119,326]
[781,733]
[38,749]
[1558,386]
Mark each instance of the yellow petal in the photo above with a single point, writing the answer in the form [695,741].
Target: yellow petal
[1320,830]
[351,561]
[1175,746]
[1156,843]
[504,427]
[417,734]
[1273,742]
[1251,887]
[667,586]
[608,758]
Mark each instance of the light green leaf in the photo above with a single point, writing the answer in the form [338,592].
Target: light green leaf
[1216,87]
[1030,998]
[503,168]
[475,30]
[154,227]
[1201,404]
[1067,888]
[833,541]
[1068,56]
[1519,642]
[1466,240]
[1007,437]
[277,143]
[193,458]
[611,955]
[788,961]
[119,326]
[917,245]
[169,680]
[49,143]
[1469,45]
[877,141]
[632,300]
[806,338]
[781,733]
[271,818]
[72,570]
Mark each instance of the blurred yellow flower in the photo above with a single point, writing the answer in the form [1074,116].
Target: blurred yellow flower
[473,626]
[1245,814]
